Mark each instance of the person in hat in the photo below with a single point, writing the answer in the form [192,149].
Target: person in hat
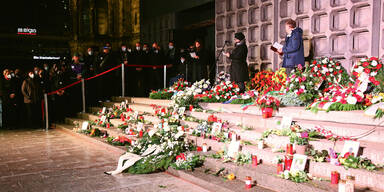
[239,66]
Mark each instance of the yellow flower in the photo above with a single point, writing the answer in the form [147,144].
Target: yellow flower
[231,176]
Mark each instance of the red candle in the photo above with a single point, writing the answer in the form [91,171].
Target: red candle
[335,176]
[280,168]
[141,133]
[248,182]
[122,117]
[289,149]
[254,160]
[190,107]
[108,125]
[288,162]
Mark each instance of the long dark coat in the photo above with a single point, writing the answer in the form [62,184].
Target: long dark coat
[239,67]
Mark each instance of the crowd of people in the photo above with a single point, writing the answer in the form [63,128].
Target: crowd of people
[22,93]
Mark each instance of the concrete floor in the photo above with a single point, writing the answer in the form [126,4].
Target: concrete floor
[35,160]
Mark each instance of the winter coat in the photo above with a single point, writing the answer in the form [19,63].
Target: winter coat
[293,49]
[239,67]
[31,91]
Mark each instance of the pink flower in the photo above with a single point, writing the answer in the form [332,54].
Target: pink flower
[304,134]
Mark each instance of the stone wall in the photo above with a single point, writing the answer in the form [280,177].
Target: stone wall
[344,29]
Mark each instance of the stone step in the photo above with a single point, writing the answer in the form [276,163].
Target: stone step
[257,122]
[265,176]
[213,183]
[142,100]
[350,117]
[364,178]
[371,150]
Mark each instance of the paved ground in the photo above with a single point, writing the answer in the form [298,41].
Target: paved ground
[33,160]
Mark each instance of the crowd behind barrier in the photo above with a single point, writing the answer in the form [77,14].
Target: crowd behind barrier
[22,94]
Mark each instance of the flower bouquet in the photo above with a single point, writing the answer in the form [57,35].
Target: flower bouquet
[267,104]
[301,142]
[187,162]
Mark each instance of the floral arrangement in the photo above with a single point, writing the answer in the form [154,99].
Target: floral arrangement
[289,99]
[187,162]
[299,138]
[170,142]
[297,176]
[266,81]
[119,141]
[329,71]
[319,156]
[367,68]
[163,94]
[266,101]
[305,86]
[220,93]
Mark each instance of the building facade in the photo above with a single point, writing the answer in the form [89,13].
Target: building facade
[346,30]
[96,22]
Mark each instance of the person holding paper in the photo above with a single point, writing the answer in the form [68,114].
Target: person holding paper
[239,66]
[293,49]
[199,62]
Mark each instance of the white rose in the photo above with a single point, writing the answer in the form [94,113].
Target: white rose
[351,100]
[324,61]
[374,63]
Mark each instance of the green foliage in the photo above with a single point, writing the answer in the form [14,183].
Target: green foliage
[345,107]
[359,163]
[191,162]
[318,156]
[242,101]
[161,95]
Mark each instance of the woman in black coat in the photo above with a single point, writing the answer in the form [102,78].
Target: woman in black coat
[239,67]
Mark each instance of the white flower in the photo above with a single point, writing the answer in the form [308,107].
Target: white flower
[373,74]
[325,60]
[374,63]
[205,86]
[303,87]
[359,69]
[351,100]
[331,70]
[237,89]
[297,80]
[376,99]
[227,94]
[363,60]
[338,67]
[217,97]
[227,82]
[338,98]
[286,174]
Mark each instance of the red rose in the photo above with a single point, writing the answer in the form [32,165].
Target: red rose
[379,66]
[365,64]
[335,73]
[367,70]
[372,79]
[373,58]
[376,83]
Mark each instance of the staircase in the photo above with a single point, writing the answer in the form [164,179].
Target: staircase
[340,123]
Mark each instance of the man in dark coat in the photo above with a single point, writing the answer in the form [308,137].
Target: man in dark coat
[32,99]
[293,49]
[157,74]
[106,81]
[239,66]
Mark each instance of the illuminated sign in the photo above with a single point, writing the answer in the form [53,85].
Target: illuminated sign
[26,31]
[46,58]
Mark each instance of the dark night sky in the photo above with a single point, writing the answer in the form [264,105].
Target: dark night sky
[48,16]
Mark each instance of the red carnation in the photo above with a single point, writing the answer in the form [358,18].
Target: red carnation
[373,58]
[365,64]
[379,66]
[367,70]
[335,73]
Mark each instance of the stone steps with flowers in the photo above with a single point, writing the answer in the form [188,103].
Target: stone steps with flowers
[363,178]
[371,150]
[352,123]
